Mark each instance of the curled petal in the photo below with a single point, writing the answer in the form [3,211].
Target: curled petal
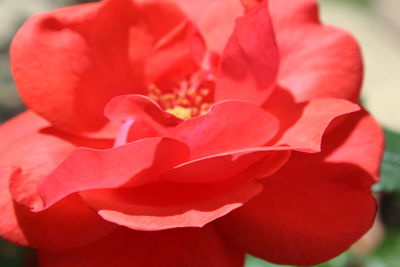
[303,125]
[358,140]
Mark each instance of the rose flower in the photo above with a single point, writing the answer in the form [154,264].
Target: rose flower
[187,133]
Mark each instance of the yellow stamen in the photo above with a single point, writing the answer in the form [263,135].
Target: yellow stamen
[181,112]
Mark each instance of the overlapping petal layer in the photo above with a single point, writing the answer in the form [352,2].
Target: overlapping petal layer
[222,166]
[225,174]
[303,124]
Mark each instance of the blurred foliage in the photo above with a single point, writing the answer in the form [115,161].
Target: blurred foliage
[14,256]
[341,261]
[390,170]
[357,2]
[8,112]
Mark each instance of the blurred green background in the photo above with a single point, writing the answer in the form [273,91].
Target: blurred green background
[376,25]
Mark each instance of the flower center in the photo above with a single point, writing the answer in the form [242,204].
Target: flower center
[188,98]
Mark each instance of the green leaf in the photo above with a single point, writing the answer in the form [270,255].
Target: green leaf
[256,262]
[339,261]
[390,170]
[10,255]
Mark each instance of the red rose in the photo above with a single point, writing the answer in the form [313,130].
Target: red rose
[279,167]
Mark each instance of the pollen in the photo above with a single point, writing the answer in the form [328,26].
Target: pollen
[188,98]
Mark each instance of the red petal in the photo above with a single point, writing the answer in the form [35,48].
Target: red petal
[28,146]
[176,55]
[304,124]
[215,28]
[251,59]
[358,140]
[166,205]
[309,212]
[126,248]
[333,65]
[213,133]
[80,57]
[139,162]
